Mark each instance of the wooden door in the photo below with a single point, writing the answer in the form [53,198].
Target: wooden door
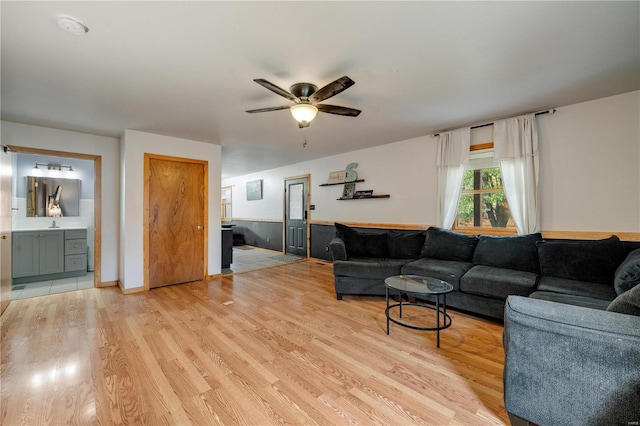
[6,175]
[176,224]
[296,216]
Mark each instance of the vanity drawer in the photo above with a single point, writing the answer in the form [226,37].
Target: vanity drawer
[75,233]
[75,262]
[75,247]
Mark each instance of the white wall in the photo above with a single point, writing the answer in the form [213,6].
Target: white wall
[590,166]
[67,141]
[386,169]
[589,174]
[133,147]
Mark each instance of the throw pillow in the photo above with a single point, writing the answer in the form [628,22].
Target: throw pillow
[405,245]
[359,244]
[582,260]
[519,253]
[448,245]
[627,303]
[628,273]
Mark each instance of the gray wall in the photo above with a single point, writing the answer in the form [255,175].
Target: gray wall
[261,234]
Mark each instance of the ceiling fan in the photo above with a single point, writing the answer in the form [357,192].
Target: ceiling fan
[307,97]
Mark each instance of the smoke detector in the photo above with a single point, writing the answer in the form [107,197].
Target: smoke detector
[72,25]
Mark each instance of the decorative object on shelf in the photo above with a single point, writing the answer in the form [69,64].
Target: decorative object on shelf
[349,177]
[352,175]
[254,190]
[337,177]
[363,194]
[343,176]
[348,191]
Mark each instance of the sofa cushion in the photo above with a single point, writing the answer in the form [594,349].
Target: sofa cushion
[570,299]
[368,267]
[628,273]
[445,270]
[360,244]
[498,282]
[447,245]
[627,303]
[405,245]
[589,260]
[519,253]
[577,288]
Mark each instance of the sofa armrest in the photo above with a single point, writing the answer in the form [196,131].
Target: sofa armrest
[338,249]
[570,365]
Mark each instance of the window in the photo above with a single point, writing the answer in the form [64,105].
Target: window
[226,203]
[483,203]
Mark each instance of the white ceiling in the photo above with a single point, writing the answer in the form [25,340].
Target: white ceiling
[185,69]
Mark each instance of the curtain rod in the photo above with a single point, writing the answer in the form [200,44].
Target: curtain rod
[477,126]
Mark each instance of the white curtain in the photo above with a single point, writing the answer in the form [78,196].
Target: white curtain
[515,145]
[453,153]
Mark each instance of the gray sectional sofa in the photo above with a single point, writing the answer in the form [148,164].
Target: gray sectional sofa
[572,365]
[568,363]
[571,311]
[483,270]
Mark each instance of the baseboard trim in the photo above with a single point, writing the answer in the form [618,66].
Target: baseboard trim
[213,277]
[130,290]
[108,284]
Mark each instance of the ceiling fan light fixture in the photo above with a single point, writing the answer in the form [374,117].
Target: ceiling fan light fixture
[304,113]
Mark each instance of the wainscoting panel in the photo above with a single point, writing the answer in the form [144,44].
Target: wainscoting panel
[260,233]
[321,236]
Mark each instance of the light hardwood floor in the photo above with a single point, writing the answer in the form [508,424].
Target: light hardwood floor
[265,347]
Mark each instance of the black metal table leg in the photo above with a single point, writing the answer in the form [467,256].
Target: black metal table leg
[387,310]
[438,319]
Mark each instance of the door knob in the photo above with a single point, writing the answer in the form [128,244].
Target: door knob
[200,227]
[4,237]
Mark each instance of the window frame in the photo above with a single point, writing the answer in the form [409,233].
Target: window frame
[482,150]
[223,204]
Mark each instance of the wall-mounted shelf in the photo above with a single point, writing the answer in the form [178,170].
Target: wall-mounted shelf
[366,198]
[341,183]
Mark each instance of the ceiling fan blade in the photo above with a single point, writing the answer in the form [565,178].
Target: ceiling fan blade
[338,110]
[331,89]
[275,89]
[268,109]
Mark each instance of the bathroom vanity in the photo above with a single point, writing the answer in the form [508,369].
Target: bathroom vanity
[48,254]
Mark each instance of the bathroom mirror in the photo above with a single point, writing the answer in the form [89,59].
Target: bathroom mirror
[52,197]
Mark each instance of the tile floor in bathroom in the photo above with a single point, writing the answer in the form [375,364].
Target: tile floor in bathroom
[41,288]
[245,258]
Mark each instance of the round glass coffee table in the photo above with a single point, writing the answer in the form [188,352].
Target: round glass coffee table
[418,286]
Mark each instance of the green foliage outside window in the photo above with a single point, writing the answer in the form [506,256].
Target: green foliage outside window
[483,203]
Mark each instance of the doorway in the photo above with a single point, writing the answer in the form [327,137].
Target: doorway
[296,229]
[175,224]
[94,230]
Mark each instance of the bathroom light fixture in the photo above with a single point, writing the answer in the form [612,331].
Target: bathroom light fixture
[53,167]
